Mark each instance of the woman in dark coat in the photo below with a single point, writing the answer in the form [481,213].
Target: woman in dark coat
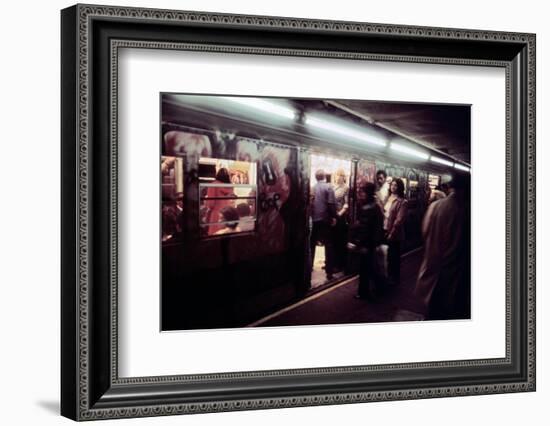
[366,235]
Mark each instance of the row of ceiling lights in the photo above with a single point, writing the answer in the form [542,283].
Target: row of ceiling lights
[343,129]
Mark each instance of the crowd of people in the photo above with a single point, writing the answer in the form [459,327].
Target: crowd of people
[330,220]
[377,234]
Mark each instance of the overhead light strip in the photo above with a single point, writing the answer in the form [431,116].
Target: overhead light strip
[461,167]
[441,161]
[264,105]
[409,151]
[331,126]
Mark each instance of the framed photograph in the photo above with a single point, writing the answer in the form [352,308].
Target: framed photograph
[263,212]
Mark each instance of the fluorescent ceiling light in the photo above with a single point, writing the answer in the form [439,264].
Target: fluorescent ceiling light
[441,161]
[341,129]
[265,106]
[461,167]
[409,151]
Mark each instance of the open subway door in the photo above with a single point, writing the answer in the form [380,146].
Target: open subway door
[328,247]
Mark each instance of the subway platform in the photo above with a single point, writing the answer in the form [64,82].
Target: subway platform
[338,305]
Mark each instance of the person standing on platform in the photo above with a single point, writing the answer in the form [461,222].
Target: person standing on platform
[395,211]
[341,193]
[365,236]
[323,215]
[436,194]
[383,188]
[443,284]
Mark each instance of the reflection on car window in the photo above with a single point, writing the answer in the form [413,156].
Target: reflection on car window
[227,196]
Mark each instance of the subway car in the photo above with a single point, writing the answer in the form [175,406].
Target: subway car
[236,176]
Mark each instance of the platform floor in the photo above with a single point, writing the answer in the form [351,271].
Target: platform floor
[338,305]
[318,275]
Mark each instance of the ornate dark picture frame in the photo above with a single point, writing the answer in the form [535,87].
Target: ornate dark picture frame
[91,387]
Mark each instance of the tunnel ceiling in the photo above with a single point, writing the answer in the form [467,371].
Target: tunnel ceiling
[442,127]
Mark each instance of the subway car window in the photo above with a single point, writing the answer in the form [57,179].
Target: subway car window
[172,197]
[228,194]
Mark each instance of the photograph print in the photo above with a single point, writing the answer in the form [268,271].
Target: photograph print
[307,212]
